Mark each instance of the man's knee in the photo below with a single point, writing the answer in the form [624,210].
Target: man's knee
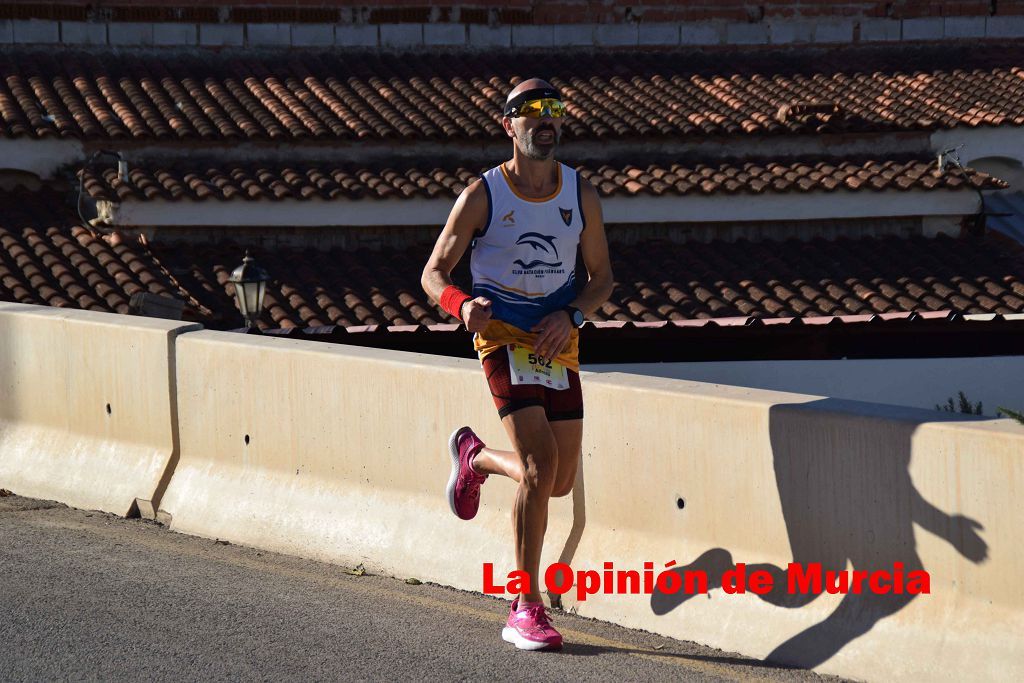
[540,466]
[568,461]
[561,489]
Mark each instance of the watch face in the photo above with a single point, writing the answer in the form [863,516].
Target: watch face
[577,317]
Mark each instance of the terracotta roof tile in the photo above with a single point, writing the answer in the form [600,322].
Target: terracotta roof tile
[252,181]
[325,96]
[46,258]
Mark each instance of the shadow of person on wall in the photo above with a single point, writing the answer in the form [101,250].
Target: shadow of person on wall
[846,495]
[579,523]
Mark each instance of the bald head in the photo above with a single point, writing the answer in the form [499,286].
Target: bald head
[531,88]
[529,84]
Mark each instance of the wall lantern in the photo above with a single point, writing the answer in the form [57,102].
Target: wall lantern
[250,285]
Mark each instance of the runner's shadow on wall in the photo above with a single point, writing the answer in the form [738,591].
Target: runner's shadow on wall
[579,523]
[847,496]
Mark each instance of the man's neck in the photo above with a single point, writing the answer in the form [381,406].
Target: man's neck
[533,177]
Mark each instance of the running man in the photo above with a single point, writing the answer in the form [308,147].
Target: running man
[523,221]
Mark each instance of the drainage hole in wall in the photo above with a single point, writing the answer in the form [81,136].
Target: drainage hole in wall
[108,409]
[246,439]
[680,503]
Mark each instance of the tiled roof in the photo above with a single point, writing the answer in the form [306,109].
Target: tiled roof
[341,96]
[659,281]
[46,259]
[195,181]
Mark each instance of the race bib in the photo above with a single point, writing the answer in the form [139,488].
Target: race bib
[528,368]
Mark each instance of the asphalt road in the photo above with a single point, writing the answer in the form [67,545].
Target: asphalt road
[91,596]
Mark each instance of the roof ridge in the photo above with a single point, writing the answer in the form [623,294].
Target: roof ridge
[335,180]
[328,95]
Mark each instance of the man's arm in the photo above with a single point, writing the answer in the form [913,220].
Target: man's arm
[468,215]
[555,328]
[594,247]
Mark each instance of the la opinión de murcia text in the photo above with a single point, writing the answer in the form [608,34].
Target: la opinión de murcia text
[809,578]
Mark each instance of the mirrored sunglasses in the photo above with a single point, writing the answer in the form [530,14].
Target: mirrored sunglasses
[547,107]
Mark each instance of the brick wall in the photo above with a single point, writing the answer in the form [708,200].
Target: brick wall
[497,12]
[402,24]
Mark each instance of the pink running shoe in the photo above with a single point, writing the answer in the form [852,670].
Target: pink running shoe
[529,629]
[464,483]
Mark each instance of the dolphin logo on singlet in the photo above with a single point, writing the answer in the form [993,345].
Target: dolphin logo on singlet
[541,243]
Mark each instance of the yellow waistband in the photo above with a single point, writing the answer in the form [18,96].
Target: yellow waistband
[499,334]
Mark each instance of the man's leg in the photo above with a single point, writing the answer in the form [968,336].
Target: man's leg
[564,415]
[568,439]
[536,446]
[534,443]
[493,461]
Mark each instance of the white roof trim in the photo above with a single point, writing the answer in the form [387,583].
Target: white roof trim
[644,209]
[40,156]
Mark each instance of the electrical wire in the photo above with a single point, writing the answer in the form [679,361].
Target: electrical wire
[81,178]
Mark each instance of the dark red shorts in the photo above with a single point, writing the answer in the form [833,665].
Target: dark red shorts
[566,404]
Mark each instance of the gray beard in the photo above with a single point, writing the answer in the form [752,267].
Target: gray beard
[532,151]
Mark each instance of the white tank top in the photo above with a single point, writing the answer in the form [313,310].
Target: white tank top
[524,260]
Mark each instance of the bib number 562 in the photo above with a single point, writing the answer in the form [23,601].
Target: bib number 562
[539,360]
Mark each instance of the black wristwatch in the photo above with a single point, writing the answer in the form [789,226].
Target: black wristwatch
[575,315]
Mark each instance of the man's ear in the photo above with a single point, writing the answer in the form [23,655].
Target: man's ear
[506,123]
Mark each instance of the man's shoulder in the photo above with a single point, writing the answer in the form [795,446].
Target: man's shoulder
[492,172]
[471,208]
[476,191]
[587,190]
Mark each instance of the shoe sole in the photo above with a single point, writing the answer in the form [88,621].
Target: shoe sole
[510,635]
[453,451]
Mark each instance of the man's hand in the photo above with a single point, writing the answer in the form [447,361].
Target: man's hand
[476,313]
[553,333]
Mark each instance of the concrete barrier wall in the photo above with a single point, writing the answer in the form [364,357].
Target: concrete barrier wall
[339,453]
[914,382]
[770,478]
[86,405]
[332,452]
